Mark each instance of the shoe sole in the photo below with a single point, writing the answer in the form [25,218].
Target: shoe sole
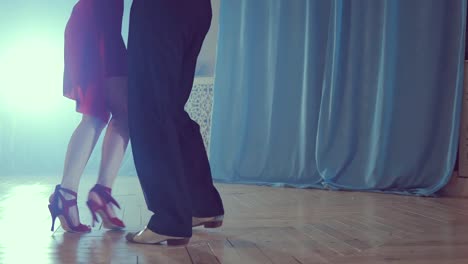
[65,226]
[210,224]
[106,223]
[170,242]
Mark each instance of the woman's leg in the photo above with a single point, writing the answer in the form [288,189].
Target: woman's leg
[116,138]
[117,135]
[79,150]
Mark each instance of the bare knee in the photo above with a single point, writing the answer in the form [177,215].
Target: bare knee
[93,122]
[120,119]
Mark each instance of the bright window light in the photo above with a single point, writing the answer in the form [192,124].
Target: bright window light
[31,70]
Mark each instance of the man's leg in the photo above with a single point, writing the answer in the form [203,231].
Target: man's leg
[156,49]
[205,199]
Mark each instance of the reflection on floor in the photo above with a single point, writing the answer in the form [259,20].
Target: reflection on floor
[263,225]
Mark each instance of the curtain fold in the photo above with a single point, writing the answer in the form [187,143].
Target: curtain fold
[342,94]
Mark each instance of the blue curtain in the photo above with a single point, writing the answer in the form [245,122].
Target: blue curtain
[340,94]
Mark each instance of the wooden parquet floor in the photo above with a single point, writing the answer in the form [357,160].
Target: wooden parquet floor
[262,225]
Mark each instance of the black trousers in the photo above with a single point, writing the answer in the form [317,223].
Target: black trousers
[165,39]
[466,35]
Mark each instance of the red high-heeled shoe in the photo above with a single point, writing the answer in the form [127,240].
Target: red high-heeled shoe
[100,208]
[64,213]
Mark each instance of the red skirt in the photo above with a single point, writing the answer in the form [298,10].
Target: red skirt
[94,51]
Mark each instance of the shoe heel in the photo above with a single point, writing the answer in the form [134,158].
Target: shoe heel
[178,242]
[93,208]
[53,215]
[214,224]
